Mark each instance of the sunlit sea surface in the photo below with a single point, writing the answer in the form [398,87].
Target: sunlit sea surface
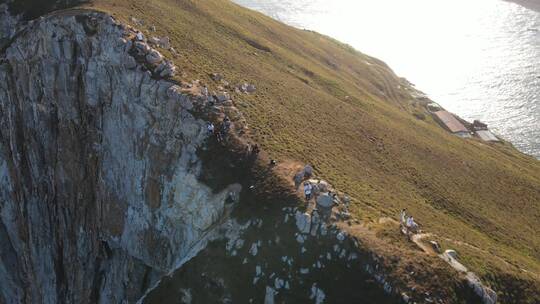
[478,58]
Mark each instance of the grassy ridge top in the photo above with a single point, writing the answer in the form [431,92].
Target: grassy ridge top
[322,102]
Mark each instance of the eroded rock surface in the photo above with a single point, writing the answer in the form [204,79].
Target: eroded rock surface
[327,266]
[99,188]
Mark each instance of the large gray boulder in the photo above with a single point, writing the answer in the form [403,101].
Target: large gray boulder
[154,41]
[154,57]
[487,295]
[223,96]
[303,222]
[165,42]
[251,88]
[325,200]
[142,48]
[166,69]
[451,253]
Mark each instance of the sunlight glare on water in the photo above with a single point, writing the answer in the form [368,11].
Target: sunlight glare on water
[480,59]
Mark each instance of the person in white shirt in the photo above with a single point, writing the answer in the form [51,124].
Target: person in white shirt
[210,128]
[402,217]
[307,190]
[411,225]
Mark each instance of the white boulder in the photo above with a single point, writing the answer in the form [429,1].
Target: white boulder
[270,294]
[303,222]
[317,294]
[154,57]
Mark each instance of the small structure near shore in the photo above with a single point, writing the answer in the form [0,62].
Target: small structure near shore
[434,107]
[450,122]
[482,131]
[486,135]
[478,125]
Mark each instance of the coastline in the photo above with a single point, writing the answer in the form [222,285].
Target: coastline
[530,4]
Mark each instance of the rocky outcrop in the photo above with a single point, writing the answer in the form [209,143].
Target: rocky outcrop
[285,255]
[9,25]
[99,187]
[487,294]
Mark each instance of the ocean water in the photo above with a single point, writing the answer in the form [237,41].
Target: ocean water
[479,59]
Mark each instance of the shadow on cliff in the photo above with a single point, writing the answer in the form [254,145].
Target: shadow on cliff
[225,163]
[32,9]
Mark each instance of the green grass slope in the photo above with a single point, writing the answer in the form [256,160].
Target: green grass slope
[322,102]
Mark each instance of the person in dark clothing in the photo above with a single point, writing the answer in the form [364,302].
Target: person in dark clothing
[226,124]
[224,129]
[218,134]
[210,127]
[255,150]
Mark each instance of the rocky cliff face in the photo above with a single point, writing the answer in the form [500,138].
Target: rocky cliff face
[99,189]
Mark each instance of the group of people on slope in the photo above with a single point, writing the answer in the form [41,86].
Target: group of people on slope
[407,223]
[221,132]
[251,152]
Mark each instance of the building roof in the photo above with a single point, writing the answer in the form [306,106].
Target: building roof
[450,122]
[486,135]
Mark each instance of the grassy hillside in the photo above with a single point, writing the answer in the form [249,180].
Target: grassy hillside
[322,102]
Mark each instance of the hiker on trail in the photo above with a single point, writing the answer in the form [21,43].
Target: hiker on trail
[225,127]
[219,136]
[210,127]
[307,190]
[406,222]
[403,217]
[226,123]
[255,150]
[273,162]
[411,225]
[231,198]
[409,221]
[222,132]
